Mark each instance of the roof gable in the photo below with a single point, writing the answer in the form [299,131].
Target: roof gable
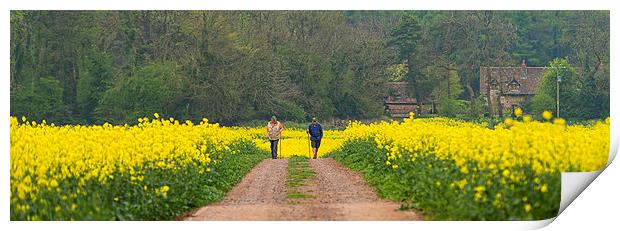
[527,78]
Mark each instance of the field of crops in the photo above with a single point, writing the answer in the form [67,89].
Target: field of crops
[157,169]
[294,142]
[465,171]
[161,168]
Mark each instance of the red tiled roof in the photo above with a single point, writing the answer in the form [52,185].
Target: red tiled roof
[403,101]
[527,78]
[400,88]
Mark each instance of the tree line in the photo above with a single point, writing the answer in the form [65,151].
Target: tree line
[235,66]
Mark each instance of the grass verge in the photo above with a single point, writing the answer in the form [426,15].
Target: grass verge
[299,175]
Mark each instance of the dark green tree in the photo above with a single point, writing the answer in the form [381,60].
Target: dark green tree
[405,38]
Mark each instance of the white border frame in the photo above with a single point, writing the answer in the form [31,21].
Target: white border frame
[586,211]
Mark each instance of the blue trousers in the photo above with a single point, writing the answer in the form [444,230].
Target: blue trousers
[274,148]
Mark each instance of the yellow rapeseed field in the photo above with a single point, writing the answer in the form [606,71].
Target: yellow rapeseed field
[44,157]
[465,171]
[546,147]
[294,142]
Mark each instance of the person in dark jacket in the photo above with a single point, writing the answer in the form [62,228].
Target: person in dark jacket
[316,134]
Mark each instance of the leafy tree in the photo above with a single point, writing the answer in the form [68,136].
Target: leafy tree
[487,40]
[405,38]
[570,88]
[42,100]
[588,38]
[246,65]
[94,80]
[154,88]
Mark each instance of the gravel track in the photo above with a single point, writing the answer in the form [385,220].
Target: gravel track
[338,194]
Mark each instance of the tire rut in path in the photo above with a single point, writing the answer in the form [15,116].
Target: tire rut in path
[339,194]
[256,197]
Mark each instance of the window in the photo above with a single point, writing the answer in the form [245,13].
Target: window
[513,86]
[493,84]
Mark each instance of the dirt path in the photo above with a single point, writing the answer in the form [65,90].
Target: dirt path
[338,194]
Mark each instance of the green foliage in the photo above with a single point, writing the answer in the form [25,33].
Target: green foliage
[570,90]
[451,107]
[154,87]
[117,198]
[94,80]
[479,106]
[243,65]
[290,111]
[448,83]
[397,72]
[541,34]
[427,184]
[236,66]
[405,36]
[41,100]
[541,103]
[446,91]
[595,89]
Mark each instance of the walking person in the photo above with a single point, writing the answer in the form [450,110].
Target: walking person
[316,134]
[273,133]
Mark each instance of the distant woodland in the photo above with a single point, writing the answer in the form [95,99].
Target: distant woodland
[235,66]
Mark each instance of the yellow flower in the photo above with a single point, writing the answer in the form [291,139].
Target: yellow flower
[506,173]
[165,189]
[544,188]
[509,121]
[156,115]
[547,115]
[461,183]
[518,112]
[527,119]
[527,208]
[559,121]
[53,183]
[478,196]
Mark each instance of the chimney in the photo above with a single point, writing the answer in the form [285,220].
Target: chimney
[523,69]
